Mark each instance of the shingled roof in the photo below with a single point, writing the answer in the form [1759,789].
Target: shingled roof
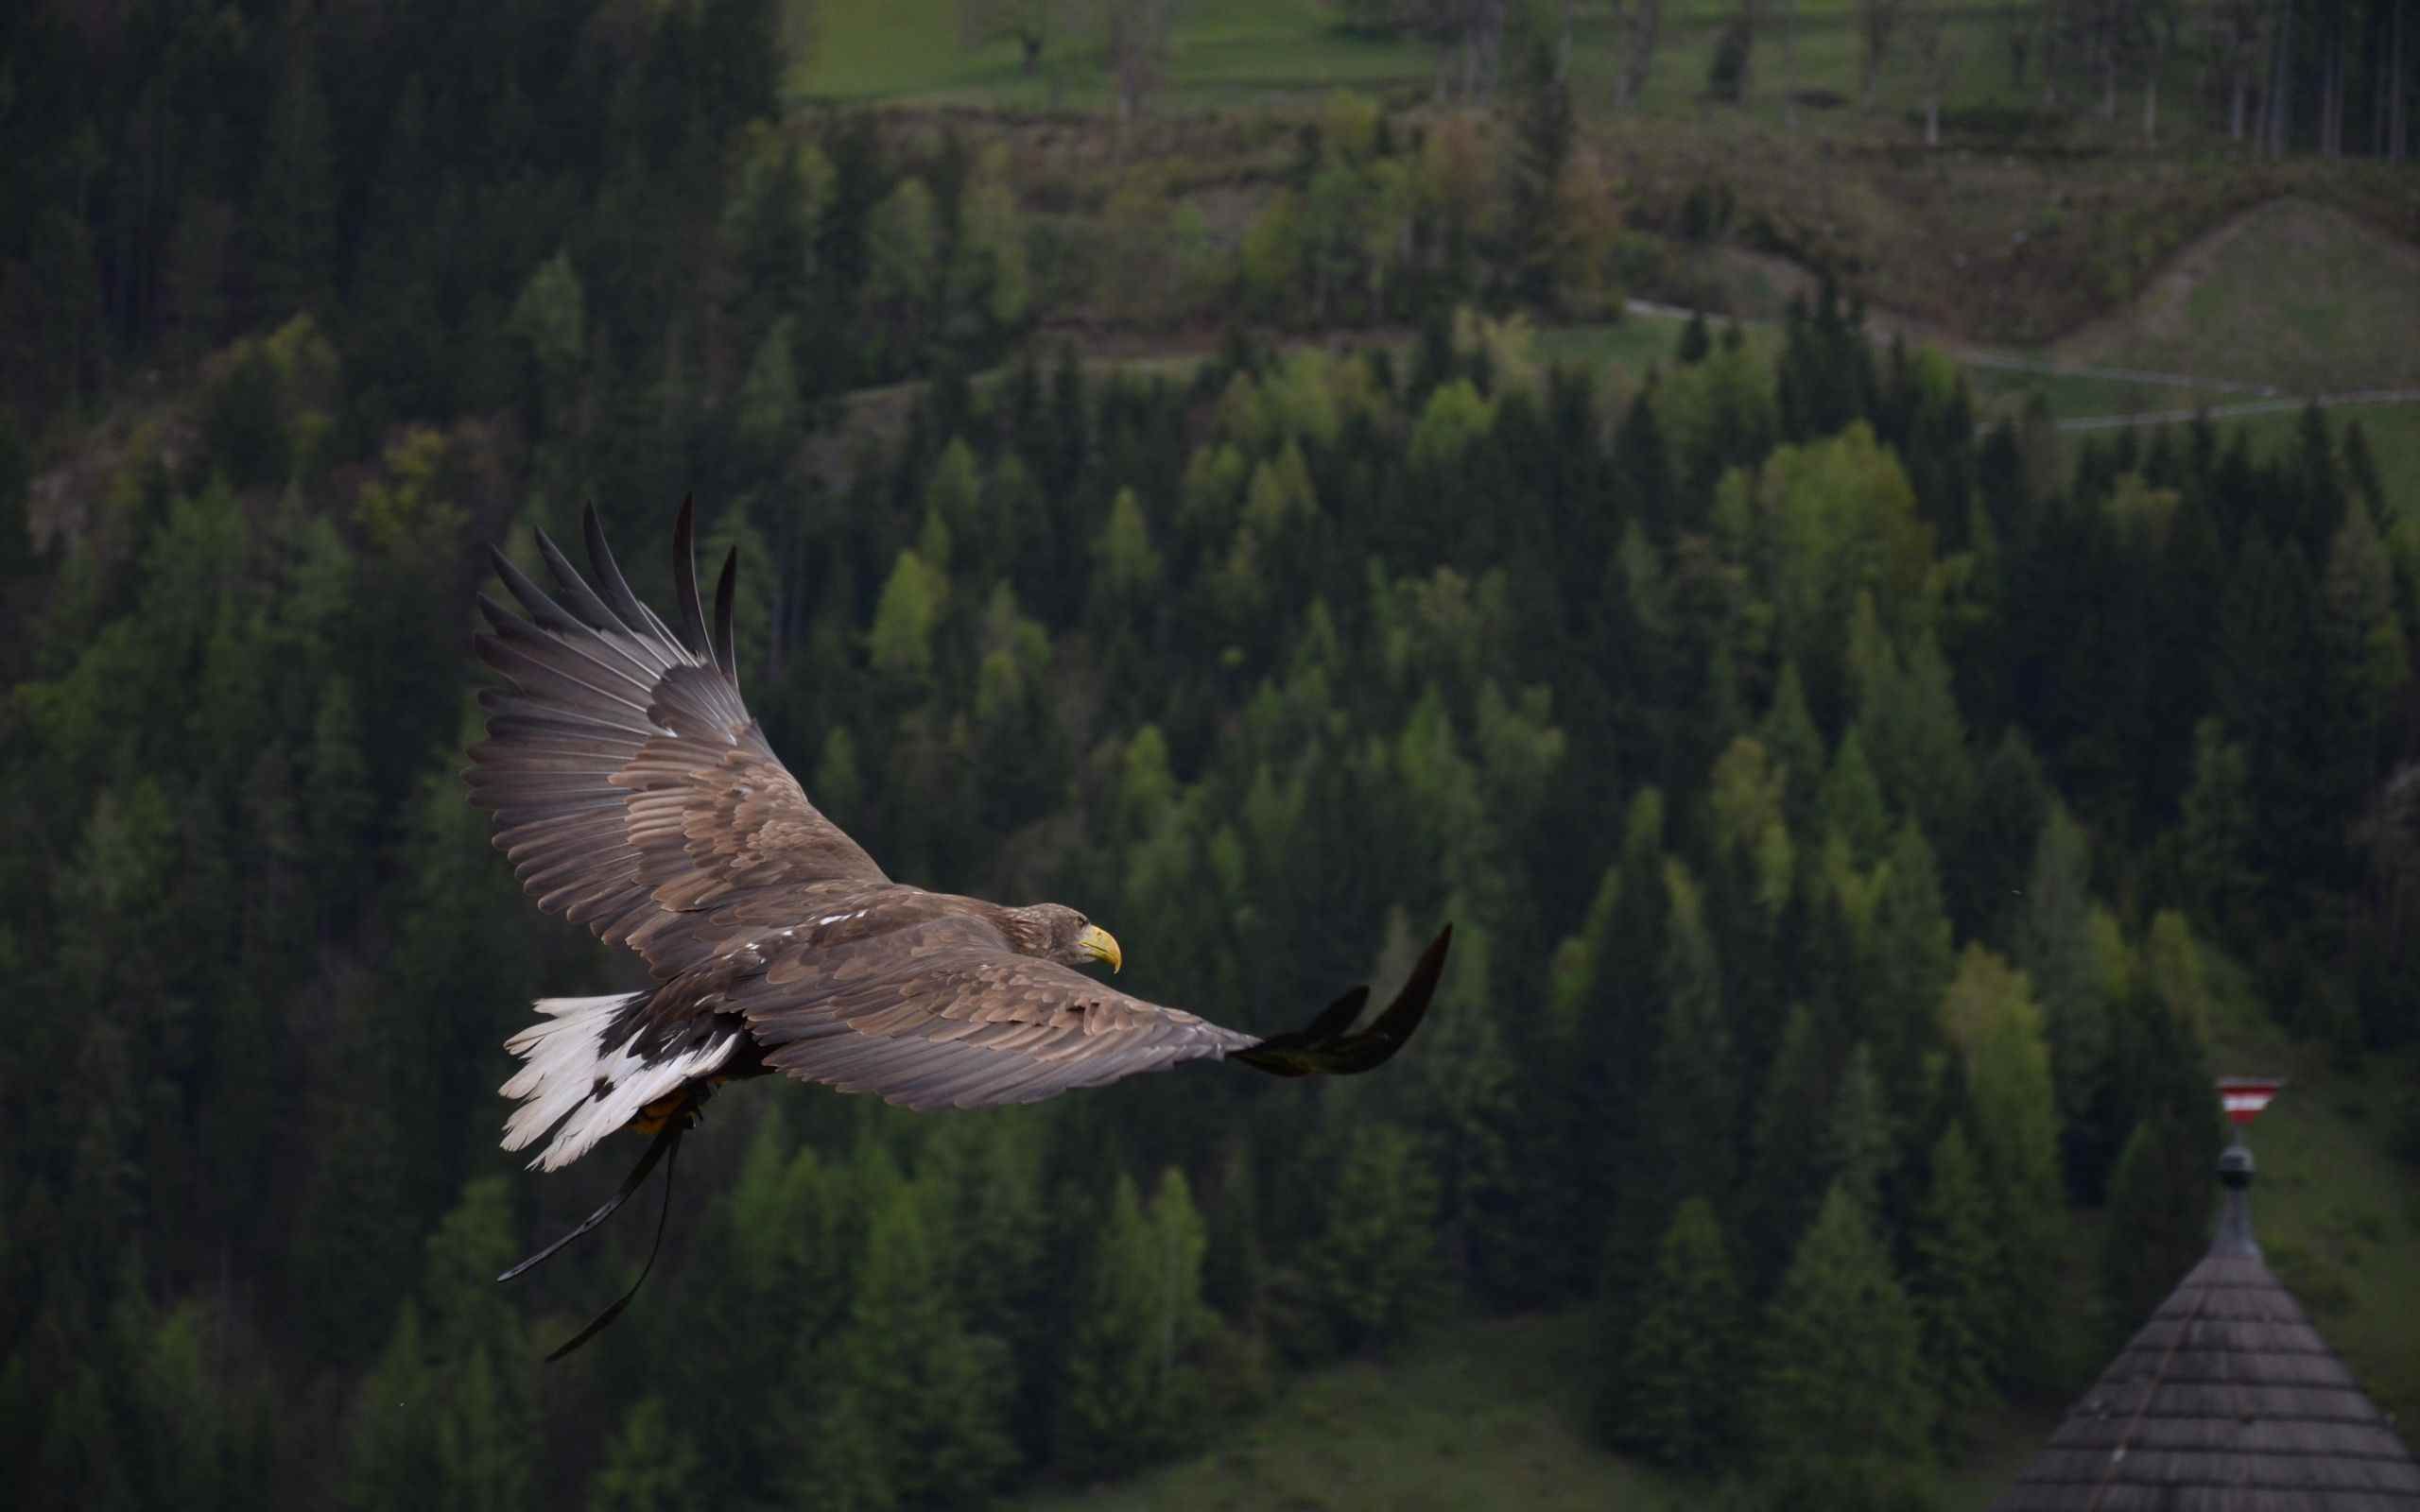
[2228,1400]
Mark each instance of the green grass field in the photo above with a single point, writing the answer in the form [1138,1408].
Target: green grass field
[1226,53]
[1476,1414]
[2297,294]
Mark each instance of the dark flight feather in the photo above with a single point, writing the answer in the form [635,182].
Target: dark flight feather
[725,657]
[685,577]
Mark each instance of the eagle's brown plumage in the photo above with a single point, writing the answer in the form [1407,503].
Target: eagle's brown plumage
[634,794]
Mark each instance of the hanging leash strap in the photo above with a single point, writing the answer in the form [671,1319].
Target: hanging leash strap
[665,1138]
[666,1148]
[672,1158]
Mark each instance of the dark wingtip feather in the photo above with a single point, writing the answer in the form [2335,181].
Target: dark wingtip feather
[1340,1015]
[684,572]
[1410,1006]
[499,618]
[725,657]
[1324,1049]
[609,573]
[590,609]
[534,600]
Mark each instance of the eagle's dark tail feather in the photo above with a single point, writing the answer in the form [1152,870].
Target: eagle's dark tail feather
[665,1148]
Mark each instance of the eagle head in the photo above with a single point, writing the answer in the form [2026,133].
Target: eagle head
[1057,932]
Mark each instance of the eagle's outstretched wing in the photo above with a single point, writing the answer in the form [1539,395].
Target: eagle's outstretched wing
[631,789]
[944,1015]
[636,794]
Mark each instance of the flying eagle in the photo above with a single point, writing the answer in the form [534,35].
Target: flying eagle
[634,794]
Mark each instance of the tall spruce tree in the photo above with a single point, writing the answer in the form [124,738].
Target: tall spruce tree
[1130,1391]
[1839,1406]
[1672,1395]
[1786,1172]
[1953,1277]
[1993,1021]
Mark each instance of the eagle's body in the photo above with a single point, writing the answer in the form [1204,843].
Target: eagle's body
[635,793]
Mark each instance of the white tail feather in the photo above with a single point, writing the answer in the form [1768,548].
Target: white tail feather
[564,1060]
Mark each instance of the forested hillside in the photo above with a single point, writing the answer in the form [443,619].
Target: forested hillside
[1849,814]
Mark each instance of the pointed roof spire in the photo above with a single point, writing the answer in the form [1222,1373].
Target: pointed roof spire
[2243,1099]
[2235,1209]
[2227,1397]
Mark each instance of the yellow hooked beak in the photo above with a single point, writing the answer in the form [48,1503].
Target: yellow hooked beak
[1100,945]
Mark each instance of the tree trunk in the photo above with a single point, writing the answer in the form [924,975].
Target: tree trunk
[2108,71]
[2234,106]
[1789,63]
[1932,117]
[2399,94]
[2343,74]
[1639,53]
[2330,115]
[2280,77]
[2050,57]
[2151,106]
[2384,23]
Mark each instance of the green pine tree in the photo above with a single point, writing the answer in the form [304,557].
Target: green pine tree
[294,212]
[1130,1392]
[1369,1271]
[1991,1019]
[1956,1268]
[650,1466]
[2055,943]
[934,1397]
[1785,1173]
[1859,1145]
[1838,1407]
[1674,1395]
[2159,1214]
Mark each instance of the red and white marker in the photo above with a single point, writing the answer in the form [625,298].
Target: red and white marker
[2244,1097]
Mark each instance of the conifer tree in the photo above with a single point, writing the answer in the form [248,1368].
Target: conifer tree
[2365,661]
[1369,1271]
[294,214]
[1991,1019]
[1952,1282]
[1985,883]
[336,803]
[1786,1173]
[2159,1212]
[2054,944]
[1859,1145]
[1910,962]
[1852,802]
[1788,732]
[1130,1388]
[927,1400]
[650,1466]
[1693,1106]
[1673,1395]
[392,1453]
[766,415]
[2217,832]
[1837,1405]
